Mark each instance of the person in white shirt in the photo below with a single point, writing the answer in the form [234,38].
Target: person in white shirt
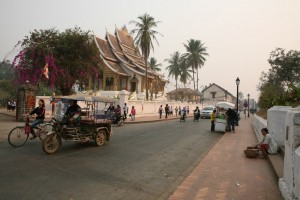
[125,110]
[268,144]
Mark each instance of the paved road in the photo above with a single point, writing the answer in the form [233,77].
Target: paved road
[142,161]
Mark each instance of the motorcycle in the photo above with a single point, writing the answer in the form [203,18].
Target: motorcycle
[183,116]
[196,116]
[115,120]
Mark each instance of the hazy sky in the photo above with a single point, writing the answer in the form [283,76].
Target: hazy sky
[239,34]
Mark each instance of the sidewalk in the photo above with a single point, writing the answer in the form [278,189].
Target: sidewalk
[226,173]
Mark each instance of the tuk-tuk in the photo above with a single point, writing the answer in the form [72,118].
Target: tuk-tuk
[94,125]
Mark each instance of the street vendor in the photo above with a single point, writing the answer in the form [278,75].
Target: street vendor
[268,144]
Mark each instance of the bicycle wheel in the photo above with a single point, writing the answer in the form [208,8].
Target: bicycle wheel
[17,137]
[45,129]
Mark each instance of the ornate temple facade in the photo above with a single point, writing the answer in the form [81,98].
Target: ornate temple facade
[124,67]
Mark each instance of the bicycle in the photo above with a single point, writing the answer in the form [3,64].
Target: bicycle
[18,136]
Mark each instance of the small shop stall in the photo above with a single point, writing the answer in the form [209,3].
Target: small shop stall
[221,121]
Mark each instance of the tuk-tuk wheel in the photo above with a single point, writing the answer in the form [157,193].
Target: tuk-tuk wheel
[100,138]
[51,144]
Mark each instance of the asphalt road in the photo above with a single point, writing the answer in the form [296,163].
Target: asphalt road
[142,161]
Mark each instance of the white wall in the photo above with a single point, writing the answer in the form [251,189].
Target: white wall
[276,126]
[285,125]
[258,124]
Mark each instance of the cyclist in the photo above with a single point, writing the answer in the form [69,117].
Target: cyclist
[40,116]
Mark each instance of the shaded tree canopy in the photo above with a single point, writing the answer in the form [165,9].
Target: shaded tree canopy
[7,88]
[71,56]
[6,72]
[280,85]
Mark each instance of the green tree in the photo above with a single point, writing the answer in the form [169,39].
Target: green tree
[174,67]
[154,65]
[195,56]
[7,90]
[280,85]
[71,56]
[6,73]
[144,38]
[285,67]
[184,71]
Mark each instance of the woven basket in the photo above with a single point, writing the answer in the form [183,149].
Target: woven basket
[251,153]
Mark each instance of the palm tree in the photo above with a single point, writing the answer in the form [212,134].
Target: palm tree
[174,67]
[145,36]
[184,71]
[154,65]
[195,56]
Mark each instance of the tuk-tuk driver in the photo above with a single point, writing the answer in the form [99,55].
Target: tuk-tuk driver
[73,114]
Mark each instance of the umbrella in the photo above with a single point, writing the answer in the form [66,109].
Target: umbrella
[225,104]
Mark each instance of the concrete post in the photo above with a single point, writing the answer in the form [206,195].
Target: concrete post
[25,100]
[123,98]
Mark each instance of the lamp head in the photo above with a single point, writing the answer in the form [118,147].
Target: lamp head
[237,81]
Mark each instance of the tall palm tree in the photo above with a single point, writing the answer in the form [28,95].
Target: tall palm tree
[184,71]
[174,67]
[154,65]
[195,56]
[145,36]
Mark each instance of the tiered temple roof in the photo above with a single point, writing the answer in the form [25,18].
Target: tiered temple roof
[120,54]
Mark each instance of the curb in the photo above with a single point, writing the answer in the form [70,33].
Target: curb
[7,115]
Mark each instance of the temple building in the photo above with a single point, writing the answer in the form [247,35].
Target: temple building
[124,67]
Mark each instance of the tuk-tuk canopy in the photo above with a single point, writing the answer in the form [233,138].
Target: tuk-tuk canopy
[88,98]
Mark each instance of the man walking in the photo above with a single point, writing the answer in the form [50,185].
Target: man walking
[232,116]
[125,109]
[167,110]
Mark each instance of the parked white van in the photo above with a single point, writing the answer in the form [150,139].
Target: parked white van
[206,111]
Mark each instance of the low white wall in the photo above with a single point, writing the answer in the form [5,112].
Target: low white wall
[150,108]
[290,183]
[259,123]
[276,126]
[284,124]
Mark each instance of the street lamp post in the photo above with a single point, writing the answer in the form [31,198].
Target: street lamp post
[248,104]
[237,81]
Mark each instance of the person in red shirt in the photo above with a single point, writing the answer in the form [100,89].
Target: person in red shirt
[133,112]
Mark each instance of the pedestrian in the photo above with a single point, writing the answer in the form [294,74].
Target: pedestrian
[187,110]
[132,113]
[166,110]
[125,110]
[213,117]
[8,105]
[231,119]
[171,111]
[160,110]
[179,111]
[268,144]
[176,110]
[13,105]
